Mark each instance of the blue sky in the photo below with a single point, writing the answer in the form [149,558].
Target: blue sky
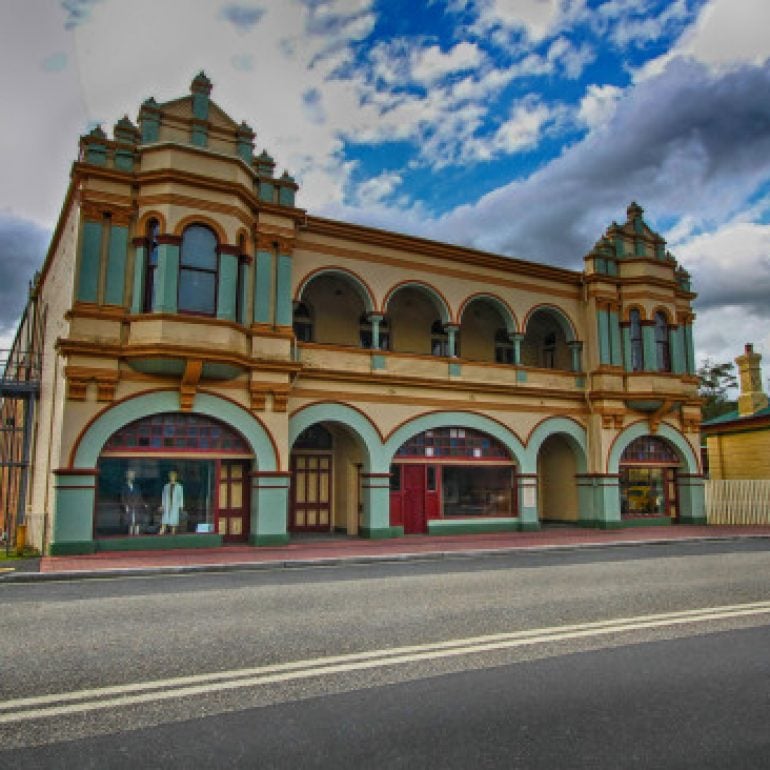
[523,127]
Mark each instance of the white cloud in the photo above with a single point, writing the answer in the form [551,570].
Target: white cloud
[377,189]
[538,19]
[431,64]
[598,104]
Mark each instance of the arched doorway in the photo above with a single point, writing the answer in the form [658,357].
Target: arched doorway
[557,468]
[176,473]
[451,473]
[649,468]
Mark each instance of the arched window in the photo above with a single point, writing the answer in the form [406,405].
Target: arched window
[503,347]
[151,265]
[662,348]
[303,323]
[439,340]
[198,271]
[637,346]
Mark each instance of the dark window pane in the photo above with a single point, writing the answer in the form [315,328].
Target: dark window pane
[199,248]
[197,291]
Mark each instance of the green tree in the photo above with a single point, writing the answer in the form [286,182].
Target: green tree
[714,383]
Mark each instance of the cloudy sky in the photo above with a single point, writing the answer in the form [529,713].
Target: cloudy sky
[522,127]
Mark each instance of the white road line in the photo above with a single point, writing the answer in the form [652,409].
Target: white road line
[180,687]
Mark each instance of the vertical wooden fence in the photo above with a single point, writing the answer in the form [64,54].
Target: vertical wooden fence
[744,502]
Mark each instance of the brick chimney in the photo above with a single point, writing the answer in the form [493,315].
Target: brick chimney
[752,398]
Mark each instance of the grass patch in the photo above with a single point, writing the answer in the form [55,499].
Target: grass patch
[10,554]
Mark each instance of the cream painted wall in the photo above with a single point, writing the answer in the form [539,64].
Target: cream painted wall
[411,315]
[479,324]
[336,309]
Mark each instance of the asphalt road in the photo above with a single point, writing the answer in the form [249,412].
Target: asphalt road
[610,658]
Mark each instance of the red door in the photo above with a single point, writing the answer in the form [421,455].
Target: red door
[414,499]
[233,510]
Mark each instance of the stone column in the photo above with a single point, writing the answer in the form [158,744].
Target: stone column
[167,274]
[269,507]
[228,282]
[526,489]
[375,497]
[576,350]
[73,522]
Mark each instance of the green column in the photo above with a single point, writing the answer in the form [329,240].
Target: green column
[627,364]
[228,285]
[137,295]
[117,250]
[244,282]
[269,508]
[576,350]
[676,343]
[451,342]
[526,486]
[167,276]
[517,339]
[375,320]
[616,354]
[73,512]
[375,499]
[648,341]
[690,348]
[90,260]
[599,497]
[603,329]
[283,303]
[263,287]
[691,499]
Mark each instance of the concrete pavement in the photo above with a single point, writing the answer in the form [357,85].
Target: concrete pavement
[306,551]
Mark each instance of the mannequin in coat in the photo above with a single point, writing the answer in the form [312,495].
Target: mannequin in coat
[132,502]
[172,502]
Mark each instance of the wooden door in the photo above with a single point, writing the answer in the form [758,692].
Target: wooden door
[413,482]
[311,496]
[232,504]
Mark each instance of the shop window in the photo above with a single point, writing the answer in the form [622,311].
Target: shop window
[453,442]
[477,491]
[637,345]
[643,491]
[151,265]
[439,340]
[649,449]
[662,345]
[198,271]
[503,347]
[303,323]
[430,478]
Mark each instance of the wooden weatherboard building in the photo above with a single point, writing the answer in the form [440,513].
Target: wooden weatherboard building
[194,328]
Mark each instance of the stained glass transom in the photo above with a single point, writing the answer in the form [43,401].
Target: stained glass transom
[453,442]
[173,431]
[649,449]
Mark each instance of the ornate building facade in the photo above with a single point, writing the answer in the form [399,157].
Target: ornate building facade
[201,333]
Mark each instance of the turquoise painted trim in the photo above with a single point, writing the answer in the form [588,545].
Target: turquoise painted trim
[694,521]
[124,160]
[521,375]
[627,364]
[90,262]
[455,369]
[580,382]
[375,499]
[603,327]
[648,343]
[517,339]
[616,354]
[267,191]
[74,501]
[167,278]
[283,304]
[228,287]
[245,284]
[510,322]
[558,315]
[645,521]
[116,417]
[286,195]
[451,341]
[451,420]
[599,500]
[137,293]
[690,348]
[115,287]
[150,127]
[78,548]
[269,540]
[159,542]
[638,247]
[380,533]
[263,288]
[639,429]
[574,434]
[354,421]
[529,526]
[600,524]
[619,246]
[270,508]
[677,343]
[378,362]
[471,526]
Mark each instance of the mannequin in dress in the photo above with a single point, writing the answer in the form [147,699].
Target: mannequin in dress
[132,502]
[172,502]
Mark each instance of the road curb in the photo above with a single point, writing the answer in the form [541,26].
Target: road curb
[357,559]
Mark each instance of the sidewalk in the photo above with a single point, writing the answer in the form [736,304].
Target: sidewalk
[339,550]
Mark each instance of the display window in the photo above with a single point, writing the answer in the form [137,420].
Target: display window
[476,491]
[648,479]
[173,474]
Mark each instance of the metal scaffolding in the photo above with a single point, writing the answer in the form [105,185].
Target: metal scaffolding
[20,369]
